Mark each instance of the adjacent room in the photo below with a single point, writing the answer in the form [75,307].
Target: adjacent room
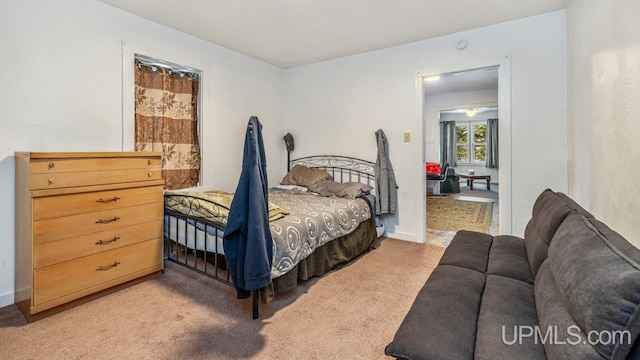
[461,118]
[322,180]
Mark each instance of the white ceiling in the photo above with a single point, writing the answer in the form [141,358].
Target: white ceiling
[289,33]
[464,111]
[480,79]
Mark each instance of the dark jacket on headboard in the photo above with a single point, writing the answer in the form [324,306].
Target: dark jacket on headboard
[248,245]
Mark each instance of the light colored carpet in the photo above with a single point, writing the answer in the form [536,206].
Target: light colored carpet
[444,237]
[454,215]
[351,313]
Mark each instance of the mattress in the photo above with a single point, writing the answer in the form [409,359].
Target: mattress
[193,237]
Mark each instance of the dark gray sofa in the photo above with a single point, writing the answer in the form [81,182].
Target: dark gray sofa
[569,290]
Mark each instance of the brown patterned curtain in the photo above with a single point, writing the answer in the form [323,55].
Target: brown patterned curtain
[167,121]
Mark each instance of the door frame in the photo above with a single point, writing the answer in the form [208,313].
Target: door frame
[503,64]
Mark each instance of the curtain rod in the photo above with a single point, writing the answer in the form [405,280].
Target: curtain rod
[476,120]
[147,61]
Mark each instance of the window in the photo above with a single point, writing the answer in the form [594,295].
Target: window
[471,142]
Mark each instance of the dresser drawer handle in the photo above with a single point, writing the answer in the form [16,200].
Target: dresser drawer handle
[108,267]
[104,201]
[106,242]
[51,165]
[115,218]
[51,181]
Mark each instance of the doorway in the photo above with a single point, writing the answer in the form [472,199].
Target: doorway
[467,198]
[467,98]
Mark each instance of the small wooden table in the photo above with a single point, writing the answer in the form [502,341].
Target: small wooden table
[470,179]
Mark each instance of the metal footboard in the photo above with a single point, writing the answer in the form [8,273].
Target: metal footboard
[206,259]
[205,256]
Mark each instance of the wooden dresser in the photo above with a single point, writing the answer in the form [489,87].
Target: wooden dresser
[86,224]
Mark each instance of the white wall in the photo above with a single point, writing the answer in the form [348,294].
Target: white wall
[603,107]
[344,101]
[62,91]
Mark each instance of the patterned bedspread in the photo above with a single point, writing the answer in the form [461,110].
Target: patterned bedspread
[312,222]
[215,207]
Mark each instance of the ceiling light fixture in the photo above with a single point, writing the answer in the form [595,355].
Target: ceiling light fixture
[432,78]
[471,112]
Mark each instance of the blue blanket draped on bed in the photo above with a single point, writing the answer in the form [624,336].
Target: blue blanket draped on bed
[247,240]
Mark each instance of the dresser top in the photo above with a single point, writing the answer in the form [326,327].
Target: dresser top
[48,155]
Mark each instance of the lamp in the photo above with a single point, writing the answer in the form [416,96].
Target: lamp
[471,112]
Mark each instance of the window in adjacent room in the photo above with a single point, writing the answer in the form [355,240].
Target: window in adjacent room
[166,118]
[471,141]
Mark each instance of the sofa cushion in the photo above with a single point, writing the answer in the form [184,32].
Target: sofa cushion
[617,241]
[507,306]
[508,257]
[597,299]
[560,335]
[635,351]
[574,205]
[468,249]
[549,211]
[441,323]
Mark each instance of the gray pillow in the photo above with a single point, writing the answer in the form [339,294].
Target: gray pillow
[348,190]
[304,176]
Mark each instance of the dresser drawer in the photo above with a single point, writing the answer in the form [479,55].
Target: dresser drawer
[87,178]
[64,165]
[50,253]
[69,277]
[64,205]
[71,226]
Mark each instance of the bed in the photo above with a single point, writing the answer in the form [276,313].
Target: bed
[312,234]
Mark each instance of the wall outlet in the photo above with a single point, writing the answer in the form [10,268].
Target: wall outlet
[407,137]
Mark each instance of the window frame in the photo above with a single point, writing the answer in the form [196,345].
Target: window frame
[129,53]
[470,143]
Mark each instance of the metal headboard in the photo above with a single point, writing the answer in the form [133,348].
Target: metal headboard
[342,168]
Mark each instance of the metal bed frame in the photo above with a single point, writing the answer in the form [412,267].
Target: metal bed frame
[343,169]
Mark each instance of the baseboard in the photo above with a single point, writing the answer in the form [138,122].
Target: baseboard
[401,235]
[6,299]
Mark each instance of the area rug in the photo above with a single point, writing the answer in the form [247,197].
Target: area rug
[454,215]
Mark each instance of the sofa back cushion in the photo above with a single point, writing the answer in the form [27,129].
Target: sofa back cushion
[597,276]
[558,332]
[574,205]
[549,211]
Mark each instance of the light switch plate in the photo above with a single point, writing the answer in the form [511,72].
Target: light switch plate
[407,137]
